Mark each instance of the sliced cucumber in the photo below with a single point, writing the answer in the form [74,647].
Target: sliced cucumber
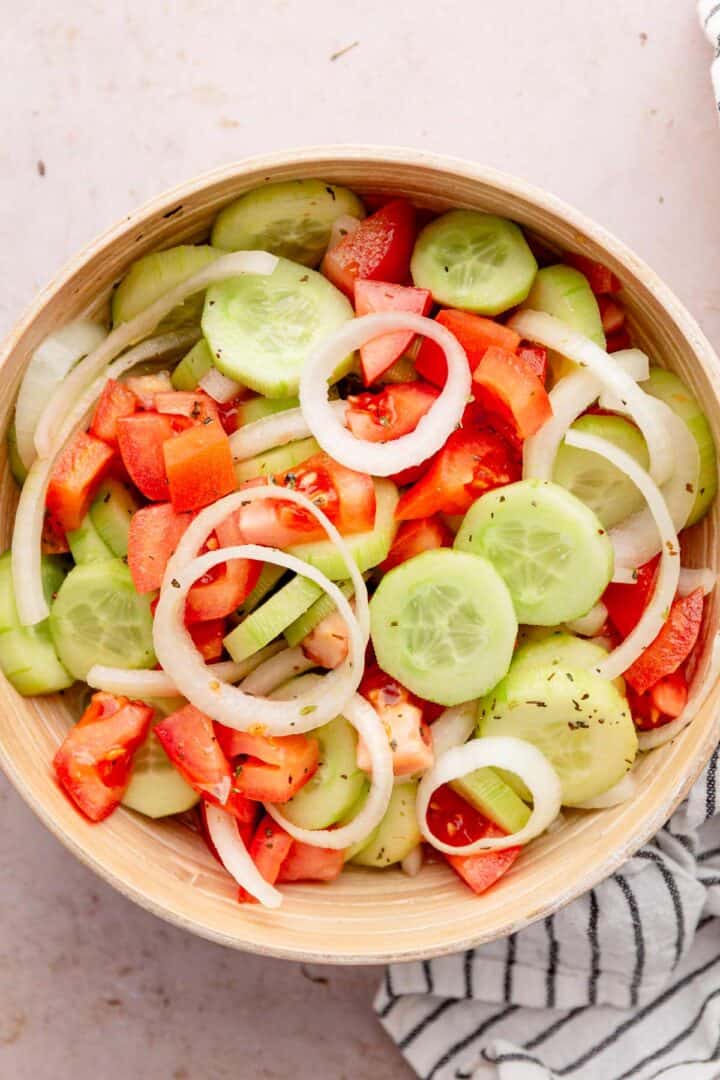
[261,328]
[292,218]
[278,460]
[368,549]
[398,832]
[559,649]
[338,783]
[86,544]
[598,483]
[474,261]
[15,462]
[27,655]
[270,575]
[306,623]
[193,366]
[156,788]
[579,721]
[270,619]
[99,618]
[668,387]
[259,407]
[550,549]
[110,512]
[354,810]
[564,292]
[443,625]
[486,790]
[155,274]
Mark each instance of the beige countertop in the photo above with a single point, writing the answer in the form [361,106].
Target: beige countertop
[607,105]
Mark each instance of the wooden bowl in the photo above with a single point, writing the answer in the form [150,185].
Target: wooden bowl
[366,916]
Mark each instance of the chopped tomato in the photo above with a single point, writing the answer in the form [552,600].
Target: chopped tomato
[455,821]
[619,340]
[536,358]
[414,537]
[601,279]
[307,863]
[672,646]
[224,588]
[208,638]
[470,463]
[268,849]
[507,385]
[379,249]
[403,715]
[268,768]
[115,402]
[394,411]
[76,476]
[93,764]
[327,645]
[626,603]
[194,405]
[670,693]
[199,466]
[141,438]
[612,314]
[413,473]
[54,541]
[475,333]
[228,412]
[382,352]
[155,532]
[188,738]
[145,387]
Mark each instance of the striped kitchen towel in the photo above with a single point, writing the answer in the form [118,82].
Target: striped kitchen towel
[624,982]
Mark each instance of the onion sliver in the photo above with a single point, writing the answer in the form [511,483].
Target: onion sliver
[433,429]
[277,670]
[227,266]
[234,856]
[621,792]
[590,624]
[453,727]
[498,751]
[413,861]
[275,430]
[158,684]
[30,514]
[569,398]
[637,364]
[546,330]
[649,740]
[219,387]
[652,619]
[371,729]
[691,579]
[624,575]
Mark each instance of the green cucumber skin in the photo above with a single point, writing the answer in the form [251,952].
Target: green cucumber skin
[18,470]
[306,623]
[486,790]
[153,275]
[278,460]
[265,623]
[564,292]
[27,655]
[260,407]
[398,832]
[111,512]
[337,785]
[86,544]
[193,367]
[270,575]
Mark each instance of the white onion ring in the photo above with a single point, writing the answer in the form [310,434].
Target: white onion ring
[621,792]
[277,670]
[158,684]
[590,624]
[433,429]
[453,727]
[218,386]
[227,266]
[413,862]
[637,364]
[650,740]
[692,579]
[234,856]
[569,398]
[546,330]
[30,514]
[278,429]
[624,575]
[498,751]
[652,619]
[371,729]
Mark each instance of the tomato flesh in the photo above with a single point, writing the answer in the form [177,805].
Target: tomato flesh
[394,411]
[115,402]
[626,603]
[307,863]
[223,590]
[506,384]
[268,849]
[601,278]
[189,740]
[456,822]
[269,769]
[378,250]
[155,532]
[381,353]
[536,359]
[403,714]
[141,438]
[199,466]
[414,537]
[208,638]
[672,646]
[194,405]
[76,476]
[476,334]
[612,314]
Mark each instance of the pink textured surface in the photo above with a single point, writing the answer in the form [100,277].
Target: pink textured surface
[609,108]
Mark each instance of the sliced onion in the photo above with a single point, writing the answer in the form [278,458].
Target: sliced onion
[433,429]
[275,430]
[277,670]
[691,579]
[234,856]
[158,684]
[546,330]
[413,861]
[637,364]
[371,730]
[569,398]
[649,740]
[498,751]
[219,387]
[453,727]
[624,575]
[48,366]
[30,515]
[652,619]
[590,624]
[621,792]
[227,266]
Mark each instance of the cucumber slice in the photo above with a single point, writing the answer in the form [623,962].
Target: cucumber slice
[358,846]
[110,512]
[367,549]
[193,366]
[27,655]
[306,623]
[86,544]
[280,459]
[270,575]
[260,328]
[474,261]
[668,387]
[596,481]
[398,832]
[18,470]
[560,649]
[550,549]
[156,788]
[487,791]
[338,783]
[564,292]
[443,624]
[98,618]
[292,218]
[579,721]
[266,622]
[260,407]
[156,274]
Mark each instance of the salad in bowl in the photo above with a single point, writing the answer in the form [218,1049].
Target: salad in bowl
[356,537]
